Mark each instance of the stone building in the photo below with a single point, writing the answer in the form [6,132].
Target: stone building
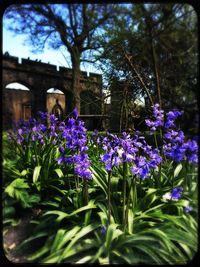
[39,77]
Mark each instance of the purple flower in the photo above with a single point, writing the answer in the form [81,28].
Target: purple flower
[53,119]
[35,129]
[155,159]
[188,209]
[158,120]
[176,148]
[82,165]
[53,131]
[128,149]
[171,116]
[74,134]
[42,127]
[110,145]
[60,160]
[103,229]
[75,113]
[141,168]
[95,133]
[191,151]
[176,193]
[174,145]
[20,131]
[61,149]
[43,115]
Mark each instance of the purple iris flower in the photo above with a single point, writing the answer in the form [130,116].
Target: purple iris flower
[95,133]
[42,127]
[53,119]
[171,116]
[188,209]
[35,129]
[176,193]
[61,149]
[53,132]
[155,159]
[174,145]
[128,148]
[110,145]
[145,157]
[141,168]
[43,115]
[20,131]
[158,120]
[74,134]
[103,229]
[191,151]
[75,113]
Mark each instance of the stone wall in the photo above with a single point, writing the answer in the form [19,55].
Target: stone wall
[39,77]
[17,104]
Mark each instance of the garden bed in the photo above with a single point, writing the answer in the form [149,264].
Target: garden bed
[78,198]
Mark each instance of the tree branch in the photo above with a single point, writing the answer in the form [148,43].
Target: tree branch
[138,75]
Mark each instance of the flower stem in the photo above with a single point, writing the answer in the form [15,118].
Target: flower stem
[125,171]
[127,206]
[155,138]
[85,191]
[109,194]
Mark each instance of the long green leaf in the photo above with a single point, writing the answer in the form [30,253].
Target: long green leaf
[59,173]
[68,236]
[177,170]
[62,215]
[58,239]
[36,173]
[97,178]
[83,232]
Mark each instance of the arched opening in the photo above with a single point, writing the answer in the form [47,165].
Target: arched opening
[16,103]
[56,102]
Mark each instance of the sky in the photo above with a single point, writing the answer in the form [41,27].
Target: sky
[14,45]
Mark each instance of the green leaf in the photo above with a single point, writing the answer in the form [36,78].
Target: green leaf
[12,188]
[62,215]
[151,252]
[111,234]
[24,173]
[83,232]
[58,239]
[84,259]
[100,251]
[98,178]
[40,252]
[177,170]
[59,173]
[130,221]
[31,238]
[68,236]
[36,173]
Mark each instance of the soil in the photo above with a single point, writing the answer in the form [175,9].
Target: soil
[13,236]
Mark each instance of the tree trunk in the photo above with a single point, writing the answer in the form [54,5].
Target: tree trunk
[76,75]
[155,70]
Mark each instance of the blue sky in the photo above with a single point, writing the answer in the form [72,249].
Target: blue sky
[15,46]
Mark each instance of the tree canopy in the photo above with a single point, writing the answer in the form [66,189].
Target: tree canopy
[153,47]
[73,26]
